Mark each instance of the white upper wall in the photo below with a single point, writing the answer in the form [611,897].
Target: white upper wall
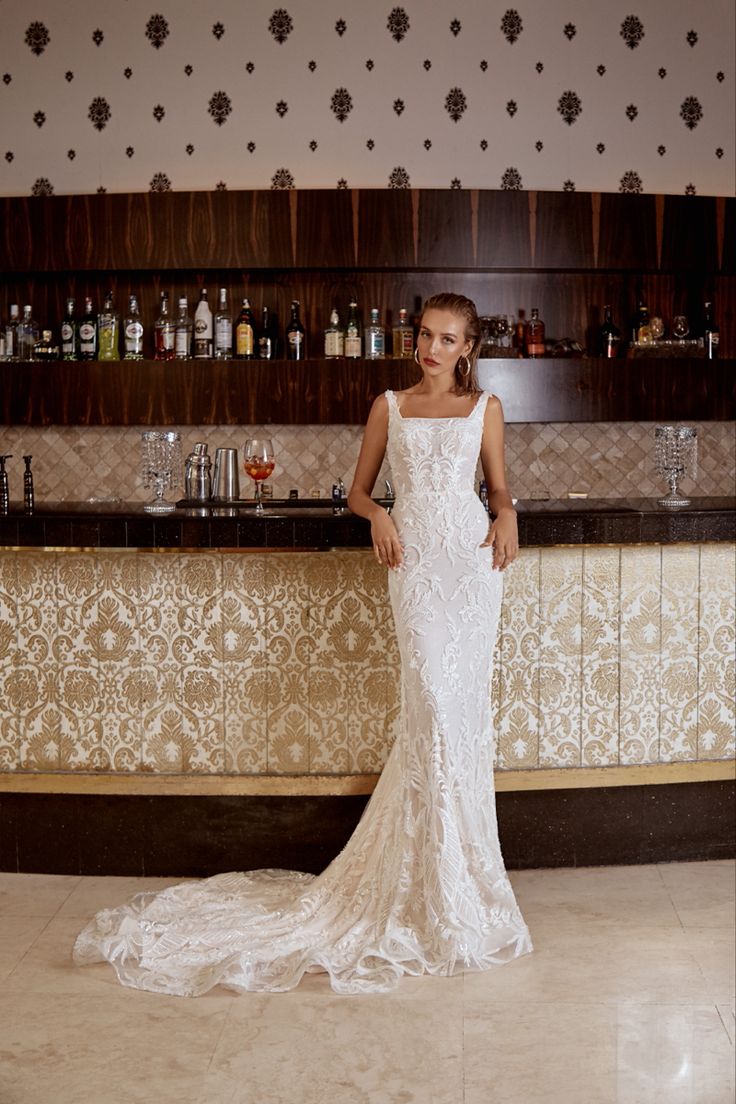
[569,103]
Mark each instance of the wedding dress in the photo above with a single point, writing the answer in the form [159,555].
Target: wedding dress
[420,886]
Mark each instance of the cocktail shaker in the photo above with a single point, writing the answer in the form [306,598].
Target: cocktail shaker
[226,483]
[197,479]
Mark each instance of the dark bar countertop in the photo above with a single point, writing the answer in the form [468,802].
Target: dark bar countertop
[312,525]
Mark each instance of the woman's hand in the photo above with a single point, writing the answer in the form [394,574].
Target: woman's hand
[503,535]
[386,543]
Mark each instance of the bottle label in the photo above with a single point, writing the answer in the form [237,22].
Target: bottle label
[353,345]
[67,333]
[181,342]
[374,344]
[296,344]
[334,343]
[265,348]
[223,335]
[244,339]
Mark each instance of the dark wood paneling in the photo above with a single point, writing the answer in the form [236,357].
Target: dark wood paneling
[385,235]
[689,239]
[503,230]
[564,230]
[627,232]
[445,229]
[728,261]
[324,229]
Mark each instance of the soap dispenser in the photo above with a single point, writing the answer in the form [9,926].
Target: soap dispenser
[4,495]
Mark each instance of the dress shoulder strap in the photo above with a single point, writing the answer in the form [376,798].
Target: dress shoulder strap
[481,404]
[391,400]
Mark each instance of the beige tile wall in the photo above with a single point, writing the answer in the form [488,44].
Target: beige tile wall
[287,663]
[544,460]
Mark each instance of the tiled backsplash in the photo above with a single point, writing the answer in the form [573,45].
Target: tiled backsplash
[544,460]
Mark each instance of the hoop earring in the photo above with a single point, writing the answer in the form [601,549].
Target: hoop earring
[417,361]
[464,370]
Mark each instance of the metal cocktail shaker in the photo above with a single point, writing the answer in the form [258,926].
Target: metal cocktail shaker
[197,479]
[226,483]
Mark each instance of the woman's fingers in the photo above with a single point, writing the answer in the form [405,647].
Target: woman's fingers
[388,552]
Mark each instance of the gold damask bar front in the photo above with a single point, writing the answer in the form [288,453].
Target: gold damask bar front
[208,664]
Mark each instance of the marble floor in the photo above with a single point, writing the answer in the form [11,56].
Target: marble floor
[628,998]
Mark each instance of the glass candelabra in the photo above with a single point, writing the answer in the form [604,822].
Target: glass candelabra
[160,466]
[676,458]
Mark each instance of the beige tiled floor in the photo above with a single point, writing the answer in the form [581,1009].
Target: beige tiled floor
[628,998]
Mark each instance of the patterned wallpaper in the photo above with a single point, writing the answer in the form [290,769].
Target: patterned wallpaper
[593,95]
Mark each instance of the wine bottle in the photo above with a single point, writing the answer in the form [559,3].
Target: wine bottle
[296,345]
[609,336]
[164,331]
[245,340]
[334,337]
[133,331]
[203,328]
[88,333]
[711,333]
[534,335]
[69,333]
[223,328]
[353,338]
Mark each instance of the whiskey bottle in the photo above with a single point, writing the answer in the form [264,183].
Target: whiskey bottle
[27,334]
[353,337]
[334,337]
[11,333]
[518,338]
[534,335]
[223,328]
[245,338]
[164,331]
[375,337]
[609,336]
[133,331]
[88,333]
[296,345]
[69,334]
[642,333]
[183,331]
[203,328]
[403,337]
[711,333]
[108,331]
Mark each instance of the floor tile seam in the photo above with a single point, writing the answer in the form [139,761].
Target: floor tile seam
[28,949]
[724,1025]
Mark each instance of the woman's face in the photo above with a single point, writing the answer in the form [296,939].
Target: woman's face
[441,341]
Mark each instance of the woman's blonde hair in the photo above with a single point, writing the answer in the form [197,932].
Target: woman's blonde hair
[460,305]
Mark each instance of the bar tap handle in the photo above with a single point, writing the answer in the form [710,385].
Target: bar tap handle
[4,494]
[28,501]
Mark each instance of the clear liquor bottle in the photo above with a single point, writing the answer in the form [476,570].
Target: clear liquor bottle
[402,345]
[223,328]
[164,331]
[133,331]
[183,331]
[334,337]
[88,333]
[108,331]
[11,333]
[203,328]
[353,336]
[28,334]
[69,333]
[375,337]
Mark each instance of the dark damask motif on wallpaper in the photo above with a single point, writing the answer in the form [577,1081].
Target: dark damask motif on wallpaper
[399,178]
[455,104]
[398,24]
[511,25]
[511,180]
[341,103]
[341,27]
[160,183]
[99,113]
[632,31]
[691,112]
[569,31]
[281,25]
[281,108]
[218,30]
[219,107]
[98,37]
[569,107]
[282,179]
[37,38]
[631,182]
[456,27]
[157,31]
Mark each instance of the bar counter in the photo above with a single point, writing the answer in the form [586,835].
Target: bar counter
[312,525]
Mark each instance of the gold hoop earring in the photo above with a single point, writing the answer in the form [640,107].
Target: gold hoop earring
[417,361]
[464,369]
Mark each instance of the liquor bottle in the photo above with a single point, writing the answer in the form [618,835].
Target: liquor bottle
[203,328]
[11,334]
[164,331]
[711,333]
[334,337]
[375,337]
[266,338]
[403,337]
[108,331]
[223,328]
[609,336]
[69,334]
[642,335]
[45,349]
[133,331]
[245,337]
[88,333]
[518,339]
[27,334]
[353,337]
[296,345]
[183,332]
[534,335]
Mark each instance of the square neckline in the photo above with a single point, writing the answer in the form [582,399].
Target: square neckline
[425,418]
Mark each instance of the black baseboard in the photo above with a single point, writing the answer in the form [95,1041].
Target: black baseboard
[199,836]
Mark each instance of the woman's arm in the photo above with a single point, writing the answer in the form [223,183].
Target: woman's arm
[503,533]
[386,544]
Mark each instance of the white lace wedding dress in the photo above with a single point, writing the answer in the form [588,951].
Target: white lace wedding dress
[420,886]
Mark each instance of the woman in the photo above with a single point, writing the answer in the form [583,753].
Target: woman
[420,886]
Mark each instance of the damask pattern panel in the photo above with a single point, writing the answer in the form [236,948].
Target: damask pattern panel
[640,654]
[330,582]
[9,727]
[116,641]
[288,654]
[600,657]
[717,653]
[245,675]
[678,710]
[77,668]
[517,685]
[560,659]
